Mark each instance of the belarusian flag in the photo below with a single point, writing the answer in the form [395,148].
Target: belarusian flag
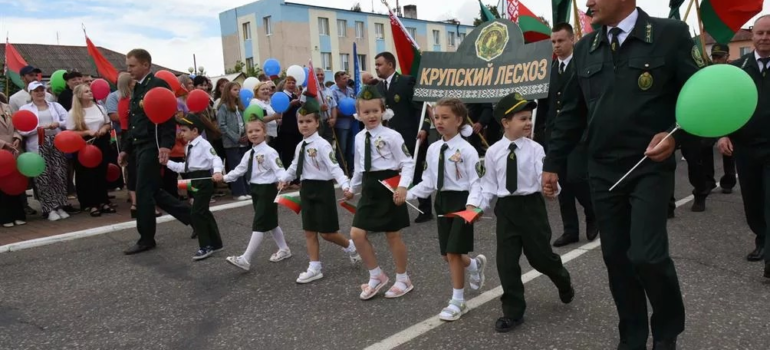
[533,27]
[561,11]
[467,215]
[407,50]
[486,15]
[291,202]
[393,182]
[106,70]
[113,136]
[349,206]
[186,185]
[13,64]
[723,18]
[585,23]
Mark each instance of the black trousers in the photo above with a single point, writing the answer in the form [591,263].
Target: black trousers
[203,221]
[11,208]
[149,193]
[570,192]
[700,166]
[91,183]
[170,178]
[755,190]
[632,224]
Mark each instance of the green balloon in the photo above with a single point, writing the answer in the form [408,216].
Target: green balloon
[253,111]
[58,84]
[30,164]
[716,101]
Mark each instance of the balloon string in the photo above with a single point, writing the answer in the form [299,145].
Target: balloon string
[157,143]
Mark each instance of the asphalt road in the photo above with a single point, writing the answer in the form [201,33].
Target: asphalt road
[86,294]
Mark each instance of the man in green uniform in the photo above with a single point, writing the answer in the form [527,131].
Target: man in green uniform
[628,77]
[148,148]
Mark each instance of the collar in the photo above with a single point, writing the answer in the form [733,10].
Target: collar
[566,61]
[757,56]
[390,78]
[519,142]
[376,131]
[453,142]
[288,93]
[196,140]
[258,146]
[628,23]
[312,138]
[143,78]
[637,24]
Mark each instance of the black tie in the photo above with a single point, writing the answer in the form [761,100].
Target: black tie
[368,152]
[301,160]
[440,181]
[615,42]
[189,158]
[511,174]
[763,68]
[562,66]
[250,168]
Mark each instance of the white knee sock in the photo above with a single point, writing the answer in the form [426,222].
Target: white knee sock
[279,239]
[256,239]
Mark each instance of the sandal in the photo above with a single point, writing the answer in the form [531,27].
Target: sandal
[95,212]
[107,209]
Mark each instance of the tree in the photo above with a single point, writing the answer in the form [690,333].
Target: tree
[493,9]
[547,23]
[356,7]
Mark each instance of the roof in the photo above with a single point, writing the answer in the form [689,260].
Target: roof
[229,77]
[741,35]
[50,58]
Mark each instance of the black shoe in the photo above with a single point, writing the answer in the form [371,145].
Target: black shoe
[194,235]
[423,218]
[29,211]
[567,296]
[138,248]
[767,270]
[756,255]
[664,344]
[699,205]
[565,239]
[671,214]
[592,231]
[69,209]
[505,324]
[727,190]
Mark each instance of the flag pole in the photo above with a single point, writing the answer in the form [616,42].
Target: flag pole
[578,21]
[700,25]
[5,68]
[689,7]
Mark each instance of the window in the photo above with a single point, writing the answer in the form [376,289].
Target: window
[326,60]
[268,24]
[323,26]
[412,32]
[250,63]
[359,30]
[246,28]
[362,62]
[345,62]
[379,30]
[460,38]
[436,37]
[450,38]
[342,28]
[745,50]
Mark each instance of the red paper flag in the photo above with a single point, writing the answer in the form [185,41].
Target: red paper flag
[13,64]
[467,215]
[290,202]
[392,183]
[186,185]
[349,206]
[312,82]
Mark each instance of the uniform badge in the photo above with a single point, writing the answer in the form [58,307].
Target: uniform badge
[313,154]
[213,152]
[367,95]
[141,103]
[480,169]
[425,166]
[645,81]
[261,158]
[278,162]
[406,150]
[457,158]
[332,157]
[397,98]
[696,56]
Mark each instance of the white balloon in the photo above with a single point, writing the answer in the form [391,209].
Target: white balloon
[250,83]
[297,72]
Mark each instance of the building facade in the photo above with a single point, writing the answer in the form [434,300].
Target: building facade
[295,33]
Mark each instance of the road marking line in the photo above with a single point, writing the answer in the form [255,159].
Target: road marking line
[431,323]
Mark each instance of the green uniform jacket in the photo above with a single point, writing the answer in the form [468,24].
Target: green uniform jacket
[141,128]
[398,97]
[629,102]
[756,133]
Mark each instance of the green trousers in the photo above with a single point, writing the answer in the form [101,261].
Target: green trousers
[522,225]
[203,221]
[632,223]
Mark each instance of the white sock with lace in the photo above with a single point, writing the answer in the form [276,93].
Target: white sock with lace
[254,242]
[473,266]
[374,275]
[401,280]
[351,248]
[315,265]
[279,239]
[458,294]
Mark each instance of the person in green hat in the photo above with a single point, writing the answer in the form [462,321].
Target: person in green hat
[720,54]
[512,174]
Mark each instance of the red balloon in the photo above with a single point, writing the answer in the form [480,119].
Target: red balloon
[197,101]
[7,163]
[159,105]
[113,172]
[68,142]
[14,183]
[169,78]
[24,120]
[90,156]
[100,88]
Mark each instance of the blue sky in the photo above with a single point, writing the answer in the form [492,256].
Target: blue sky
[174,30]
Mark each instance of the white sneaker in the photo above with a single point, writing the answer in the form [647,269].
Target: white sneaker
[10,224]
[240,262]
[20,222]
[309,276]
[53,216]
[242,198]
[476,280]
[248,196]
[62,214]
[280,255]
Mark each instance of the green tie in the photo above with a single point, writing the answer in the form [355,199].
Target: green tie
[440,181]
[251,165]
[368,152]
[615,42]
[301,160]
[764,68]
[511,174]
[188,159]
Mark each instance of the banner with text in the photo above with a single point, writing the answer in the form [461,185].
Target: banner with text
[490,63]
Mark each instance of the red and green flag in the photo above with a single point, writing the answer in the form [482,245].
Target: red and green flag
[13,64]
[349,206]
[532,26]
[291,202]
[392,182]
[113,136]
[186,185]
[105,69]
[407,50]
[723,18]
[467,215]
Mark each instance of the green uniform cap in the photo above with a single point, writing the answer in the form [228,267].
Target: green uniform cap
[193,121]
[719,49]
[511,104]
[310,106]
[369,92]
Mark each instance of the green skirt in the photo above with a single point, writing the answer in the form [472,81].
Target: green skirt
[454,235]
[375,211]
[265,208]
[319,206]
